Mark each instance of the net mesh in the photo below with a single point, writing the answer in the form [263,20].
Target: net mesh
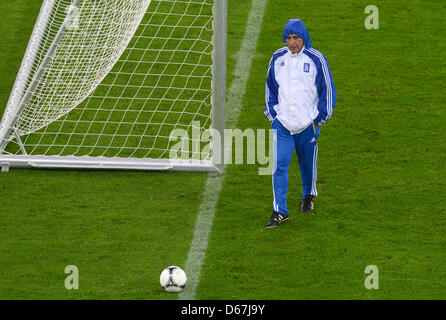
[123,76]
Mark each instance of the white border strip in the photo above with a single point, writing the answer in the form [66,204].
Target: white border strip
[213,185]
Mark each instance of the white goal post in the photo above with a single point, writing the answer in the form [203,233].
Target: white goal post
[104,83]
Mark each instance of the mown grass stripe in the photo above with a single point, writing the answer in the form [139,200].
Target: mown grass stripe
[213,185]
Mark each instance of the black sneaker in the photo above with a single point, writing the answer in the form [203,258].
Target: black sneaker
[276,219]
[307,204]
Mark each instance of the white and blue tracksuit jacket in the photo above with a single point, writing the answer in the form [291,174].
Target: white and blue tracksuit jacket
[299,92]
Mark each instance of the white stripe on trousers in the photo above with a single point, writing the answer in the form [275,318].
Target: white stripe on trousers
[314,178]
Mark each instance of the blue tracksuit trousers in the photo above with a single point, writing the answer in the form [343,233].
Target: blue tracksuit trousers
[305,144]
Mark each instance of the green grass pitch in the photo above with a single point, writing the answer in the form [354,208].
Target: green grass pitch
[381,180]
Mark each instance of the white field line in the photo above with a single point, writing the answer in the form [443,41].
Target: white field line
[213,185]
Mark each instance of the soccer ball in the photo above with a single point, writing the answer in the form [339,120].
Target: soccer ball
[173,279]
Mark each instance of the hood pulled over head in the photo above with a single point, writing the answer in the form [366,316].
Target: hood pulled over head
[297,27]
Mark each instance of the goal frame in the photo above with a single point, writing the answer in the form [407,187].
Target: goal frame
[218,100]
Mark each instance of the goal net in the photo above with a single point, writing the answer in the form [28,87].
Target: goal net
[105,83]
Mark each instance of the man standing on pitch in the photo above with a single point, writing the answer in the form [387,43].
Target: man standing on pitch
[300,96]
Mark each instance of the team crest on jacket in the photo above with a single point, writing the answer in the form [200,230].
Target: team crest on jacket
[306,67]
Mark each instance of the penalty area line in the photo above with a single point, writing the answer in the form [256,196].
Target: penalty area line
[213,186]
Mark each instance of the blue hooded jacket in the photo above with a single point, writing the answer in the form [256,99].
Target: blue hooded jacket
[296,26]
[324,80]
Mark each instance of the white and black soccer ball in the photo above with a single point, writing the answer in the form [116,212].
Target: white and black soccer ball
[173,279]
